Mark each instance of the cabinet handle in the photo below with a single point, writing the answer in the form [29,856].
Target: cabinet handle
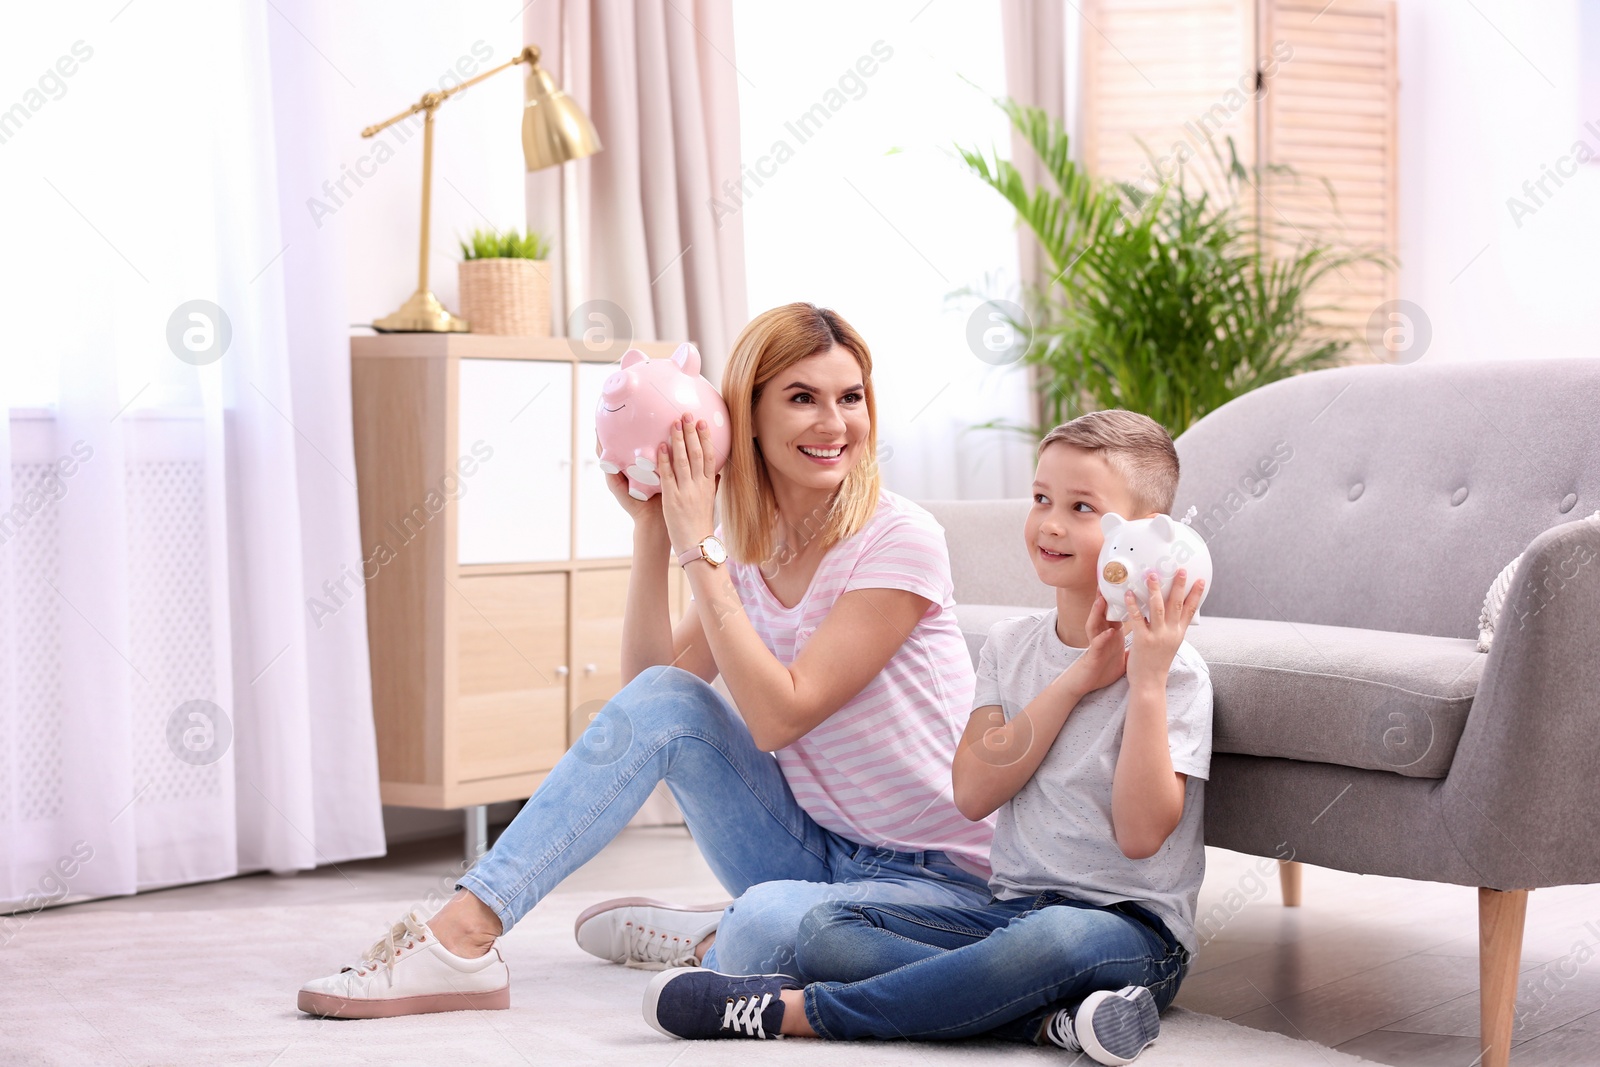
[561,671]
[589,668]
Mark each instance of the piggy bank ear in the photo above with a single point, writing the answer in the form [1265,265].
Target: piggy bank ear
[1161,526]
[632,356]
[688,357]
[1110,521]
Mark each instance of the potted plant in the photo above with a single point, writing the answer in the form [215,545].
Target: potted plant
[505,283]
[1166,301]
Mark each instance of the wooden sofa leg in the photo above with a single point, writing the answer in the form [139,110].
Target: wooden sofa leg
[1500,919]
[1289,881]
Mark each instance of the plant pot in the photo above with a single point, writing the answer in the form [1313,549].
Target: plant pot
[506,296]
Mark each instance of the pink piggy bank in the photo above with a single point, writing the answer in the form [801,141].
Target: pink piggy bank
[638,405]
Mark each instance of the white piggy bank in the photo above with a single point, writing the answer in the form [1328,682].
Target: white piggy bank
[1135,546]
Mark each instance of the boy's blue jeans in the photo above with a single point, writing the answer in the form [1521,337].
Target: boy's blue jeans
[1000,969]
[670,725]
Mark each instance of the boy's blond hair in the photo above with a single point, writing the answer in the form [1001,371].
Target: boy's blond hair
[770,344]
[1136,447]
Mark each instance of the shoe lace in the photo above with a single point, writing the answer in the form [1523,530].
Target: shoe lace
[649,946]
[386,950]
[743,1014]
[1060,1032]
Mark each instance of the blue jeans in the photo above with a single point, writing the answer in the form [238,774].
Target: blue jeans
[670,725]
[1001,969]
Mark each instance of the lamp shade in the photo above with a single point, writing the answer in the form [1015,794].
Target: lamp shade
[554,129]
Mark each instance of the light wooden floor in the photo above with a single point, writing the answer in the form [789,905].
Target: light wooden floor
[1387,969]
[1378,967]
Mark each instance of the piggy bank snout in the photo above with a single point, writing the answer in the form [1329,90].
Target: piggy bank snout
[616,385]
[1116,570]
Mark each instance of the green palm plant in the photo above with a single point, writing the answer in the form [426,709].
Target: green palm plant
[1162,302]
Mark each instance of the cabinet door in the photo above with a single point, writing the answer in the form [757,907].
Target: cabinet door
[604,529]
[517,506]
[510,714]
[598,600]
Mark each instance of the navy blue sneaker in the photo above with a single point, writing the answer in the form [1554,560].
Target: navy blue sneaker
[692,1002]
[1110,1027]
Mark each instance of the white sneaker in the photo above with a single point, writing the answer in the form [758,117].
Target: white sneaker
[1110,1027]
[649,934]
[407,972]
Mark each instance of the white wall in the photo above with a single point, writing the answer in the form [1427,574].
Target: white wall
[388,56]
[1489,96]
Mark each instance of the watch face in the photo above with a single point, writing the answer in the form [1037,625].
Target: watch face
[714,550]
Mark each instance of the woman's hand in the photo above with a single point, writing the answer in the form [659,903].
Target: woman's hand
[645,514]
[1156,640]
[687,465]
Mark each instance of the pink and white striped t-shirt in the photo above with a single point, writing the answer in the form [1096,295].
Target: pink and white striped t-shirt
[877,771]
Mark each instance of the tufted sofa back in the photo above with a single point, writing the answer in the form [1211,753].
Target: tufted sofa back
[1389,497]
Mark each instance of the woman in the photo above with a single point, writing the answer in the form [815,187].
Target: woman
[828,777]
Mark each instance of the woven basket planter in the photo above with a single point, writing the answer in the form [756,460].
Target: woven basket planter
[506,296]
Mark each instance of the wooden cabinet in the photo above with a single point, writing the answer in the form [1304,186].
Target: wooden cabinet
[496,561]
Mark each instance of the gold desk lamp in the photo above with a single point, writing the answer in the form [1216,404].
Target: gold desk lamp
[554,130]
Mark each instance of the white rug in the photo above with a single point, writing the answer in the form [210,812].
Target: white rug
[214,987]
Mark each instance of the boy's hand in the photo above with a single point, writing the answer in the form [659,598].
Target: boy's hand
[1105,660]
[1156,640]
[1097,618]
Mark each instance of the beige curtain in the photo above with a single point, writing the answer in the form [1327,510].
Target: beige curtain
[1034,33]
[634,224]
[1035,45]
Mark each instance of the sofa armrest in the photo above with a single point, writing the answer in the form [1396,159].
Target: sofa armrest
[1522,797]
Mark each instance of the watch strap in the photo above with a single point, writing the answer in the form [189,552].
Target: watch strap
[698,551]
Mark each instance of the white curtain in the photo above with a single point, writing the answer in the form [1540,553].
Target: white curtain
[643,252]
[169,710]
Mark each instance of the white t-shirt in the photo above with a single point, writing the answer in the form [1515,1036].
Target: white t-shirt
[877,771]
[1056,833]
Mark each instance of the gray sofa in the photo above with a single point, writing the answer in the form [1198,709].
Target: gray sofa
[1355,518]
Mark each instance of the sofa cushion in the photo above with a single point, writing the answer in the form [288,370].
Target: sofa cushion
[1326,694]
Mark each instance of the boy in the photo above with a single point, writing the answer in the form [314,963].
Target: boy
[1095,749]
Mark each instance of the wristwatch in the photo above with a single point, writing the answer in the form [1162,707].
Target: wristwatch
[709,549]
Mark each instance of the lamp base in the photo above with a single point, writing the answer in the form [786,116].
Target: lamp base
[421,313]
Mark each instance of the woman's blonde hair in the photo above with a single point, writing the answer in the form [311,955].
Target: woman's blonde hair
[770,344]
